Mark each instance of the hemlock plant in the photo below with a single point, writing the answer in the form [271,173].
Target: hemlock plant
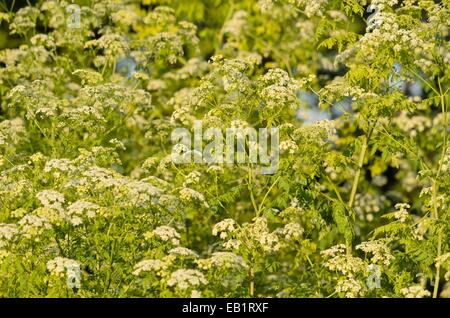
[92,205]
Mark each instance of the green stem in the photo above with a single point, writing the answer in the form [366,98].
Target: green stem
[362,155]
[439,245]
[250,189]
[251,276]
[335,189]
[435,191]
[267,193]
[424,80]
[444,146]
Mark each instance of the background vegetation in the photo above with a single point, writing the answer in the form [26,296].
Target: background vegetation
[91,204]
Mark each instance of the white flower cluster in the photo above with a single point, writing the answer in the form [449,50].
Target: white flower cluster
[223,260]
[266,5]
[337,260]
[214,168]
[52,216]
[7,233]
[414,125]
[60,265]
[311,8]
[165,233]
[12,131]
[59,166]
[186,278]
[193,67]
[137,193]
[254,235]
[24,19]
[33,225]
[150,163]
[288,146]
[319,133]
[180,102]
[367,204]
[350,266]
[128,192]
[232,244]
[293,210]
[150,265]
[51,199]
[259,235]
[192,178]
[87,76]
[113,45]
[234,72]
[402,213]
[155,84]
[388,32]
[444,259]
[125,17]
[79,209]
[415,291]
[278,89]
[224,228]
[183,251]
[239,124]
[236,24]
[196,294]
[37,158]
[383,3]
[101,177]
[292,231]
[169,202]
[333,172]
[337,15]
[379,250]
[338,88]
[350,287]
[55,11]
[190,195]
[410,181]
[201,94]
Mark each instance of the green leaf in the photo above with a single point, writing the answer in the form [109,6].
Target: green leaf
[342,220]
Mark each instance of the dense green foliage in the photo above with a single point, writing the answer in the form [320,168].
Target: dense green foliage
[91,204]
